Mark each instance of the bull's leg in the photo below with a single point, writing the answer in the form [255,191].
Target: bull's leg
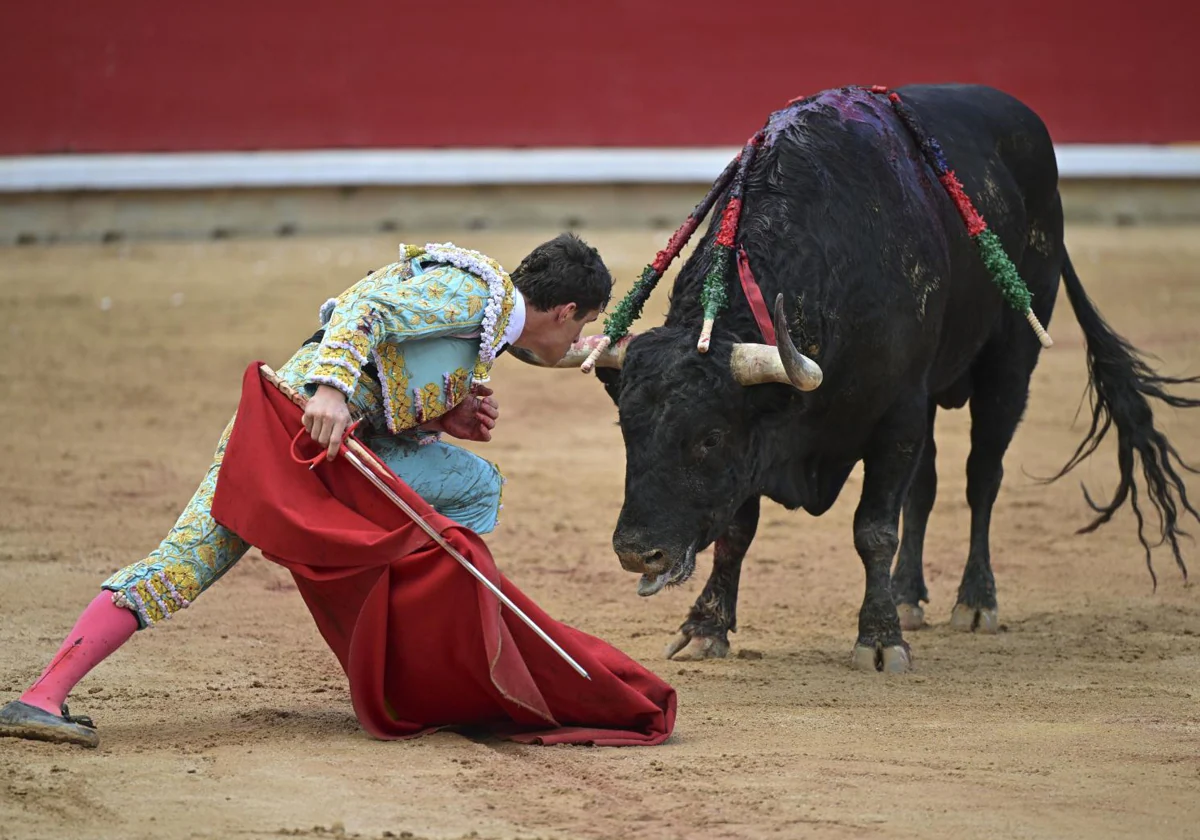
[1001,390]
[705,633]
[888,468]
[908,579]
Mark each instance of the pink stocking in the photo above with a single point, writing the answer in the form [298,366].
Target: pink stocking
[101,629]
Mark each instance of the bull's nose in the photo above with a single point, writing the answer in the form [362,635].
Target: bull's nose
[642,562]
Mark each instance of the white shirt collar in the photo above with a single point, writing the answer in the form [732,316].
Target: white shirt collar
[516,319]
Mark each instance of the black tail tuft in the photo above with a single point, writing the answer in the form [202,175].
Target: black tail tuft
[1120,387]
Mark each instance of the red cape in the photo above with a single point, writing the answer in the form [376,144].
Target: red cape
[424,644]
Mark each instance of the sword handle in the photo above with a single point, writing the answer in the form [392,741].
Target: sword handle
[288,391]
[283,388]
[301,400]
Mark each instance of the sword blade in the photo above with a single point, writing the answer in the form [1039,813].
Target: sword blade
[464,562]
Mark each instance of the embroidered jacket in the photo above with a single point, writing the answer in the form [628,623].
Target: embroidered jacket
[431,324]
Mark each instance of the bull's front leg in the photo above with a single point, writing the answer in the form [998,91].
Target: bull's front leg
[705,633]
[888,469]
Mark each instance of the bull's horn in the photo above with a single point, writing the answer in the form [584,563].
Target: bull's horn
[612,357]
[757,364]
[802,371]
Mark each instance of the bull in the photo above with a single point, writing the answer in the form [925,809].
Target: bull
[884,313]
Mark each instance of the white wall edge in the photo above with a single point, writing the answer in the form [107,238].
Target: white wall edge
[464,167]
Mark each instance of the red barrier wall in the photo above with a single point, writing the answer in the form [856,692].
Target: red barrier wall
[160,75]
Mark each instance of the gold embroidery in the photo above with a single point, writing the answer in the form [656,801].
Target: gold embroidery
[433,404]
[457,384]
[391,306]
[192,555]
[394,383]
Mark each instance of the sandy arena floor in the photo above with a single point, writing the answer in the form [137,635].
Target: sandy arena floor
[123,362]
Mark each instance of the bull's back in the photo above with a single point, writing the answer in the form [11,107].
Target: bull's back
[979,126]
[1003,154]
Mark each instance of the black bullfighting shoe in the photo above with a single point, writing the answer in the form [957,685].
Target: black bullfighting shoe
[20,720]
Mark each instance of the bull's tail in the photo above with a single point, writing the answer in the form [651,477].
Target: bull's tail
[1120,388]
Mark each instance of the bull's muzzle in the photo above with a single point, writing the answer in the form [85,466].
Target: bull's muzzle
[639,555]
[652,562]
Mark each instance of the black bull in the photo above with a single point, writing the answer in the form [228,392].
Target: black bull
[883,289]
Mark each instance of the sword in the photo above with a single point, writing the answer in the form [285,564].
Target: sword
[359,457]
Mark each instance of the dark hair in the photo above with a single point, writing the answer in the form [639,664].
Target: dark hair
[564,270]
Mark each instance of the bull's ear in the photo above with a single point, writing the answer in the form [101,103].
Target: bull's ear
[611,378]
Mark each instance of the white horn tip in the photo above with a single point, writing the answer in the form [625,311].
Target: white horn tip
[705,335]
[589,363]
[1043,337]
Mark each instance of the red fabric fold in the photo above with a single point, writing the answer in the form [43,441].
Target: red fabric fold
[423,644]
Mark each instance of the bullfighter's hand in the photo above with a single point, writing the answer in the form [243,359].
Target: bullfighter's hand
[473,418]
[327,417]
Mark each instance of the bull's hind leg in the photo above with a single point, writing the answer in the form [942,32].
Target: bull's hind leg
[888,468]
[1001,380]
[908,579]
[705,634]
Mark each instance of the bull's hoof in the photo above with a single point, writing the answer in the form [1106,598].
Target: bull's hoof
[912,616]
[896,659]
[975,619]
[685,648]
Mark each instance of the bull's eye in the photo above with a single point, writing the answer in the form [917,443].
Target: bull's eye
[711,442]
